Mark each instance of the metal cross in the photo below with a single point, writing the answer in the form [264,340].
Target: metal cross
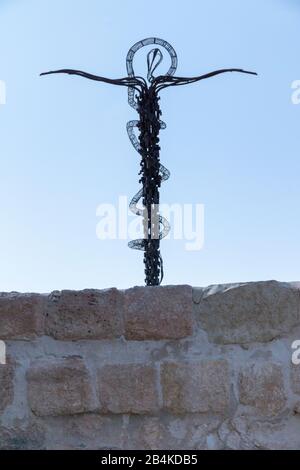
[143,96]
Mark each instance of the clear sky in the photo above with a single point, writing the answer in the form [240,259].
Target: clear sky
[232,142]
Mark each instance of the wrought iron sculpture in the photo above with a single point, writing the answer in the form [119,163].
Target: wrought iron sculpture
[143,96]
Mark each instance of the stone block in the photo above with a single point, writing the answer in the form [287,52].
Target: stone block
[59,387]
[250,312]
[196,387]
[128,388]
[87,314]
[157,313]
[261,385]
[21,316]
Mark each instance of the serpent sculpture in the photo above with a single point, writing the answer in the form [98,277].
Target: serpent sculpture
[143,96]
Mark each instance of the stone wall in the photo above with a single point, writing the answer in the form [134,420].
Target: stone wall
[151,368]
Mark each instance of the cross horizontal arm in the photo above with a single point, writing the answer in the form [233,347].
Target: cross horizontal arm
[126,81]
[166,81]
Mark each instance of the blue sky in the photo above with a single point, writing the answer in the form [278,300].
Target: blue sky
[232,142]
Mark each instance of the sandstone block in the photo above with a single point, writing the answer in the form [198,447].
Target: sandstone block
[87,314]
[154,313]
[128,388]
[87,431]
[296,408]
[295,379]
[166,431]
[250,312]
[196,387]
[262,387]
[59,387]
[246,433]
[17,438]
[21,316]
[6,386]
